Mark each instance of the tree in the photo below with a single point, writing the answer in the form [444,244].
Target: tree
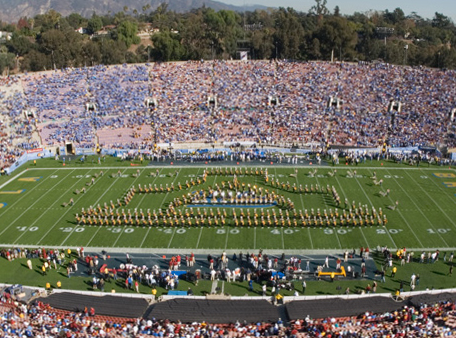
[314,51]
[394,17]
[127,32]
[95,24]
[319,9]
[441,21]
[75,20]
[7,61]
[22,23]
[19,45]
[113,52]
[49,20]
[35,61]
[262,39]
[91,53]
[338,35]
[167,46]
[192,30]
[289,34]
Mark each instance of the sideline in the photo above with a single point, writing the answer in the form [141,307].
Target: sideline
[13,178]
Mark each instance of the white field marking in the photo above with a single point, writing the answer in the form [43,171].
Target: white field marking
[438,206]
[23,195]
[120,233]
[96,232]
[183,251]
[236,166]
[370,202]
[163,201]
[13,178]
[30,207]
[275,177]
[199,237]
[71,232]
[405,220]
[142,199]
[148,229]
[38,218]
[303,208]
[125,226]
[362,232]
[324,200]
[201,229]
[283,239]
[388,233]
[254,238]
[444,190]
[226,238]
[418,208]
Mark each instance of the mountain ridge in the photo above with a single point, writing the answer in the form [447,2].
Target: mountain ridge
[13,10]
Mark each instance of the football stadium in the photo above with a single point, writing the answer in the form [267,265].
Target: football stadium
[228,199]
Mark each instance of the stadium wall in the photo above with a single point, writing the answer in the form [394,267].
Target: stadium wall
[38,153]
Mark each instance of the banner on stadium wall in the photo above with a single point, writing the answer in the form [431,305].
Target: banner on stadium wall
[84,151]
[36,150]
[245,143]
[402,150]
[355,150]
[35,156]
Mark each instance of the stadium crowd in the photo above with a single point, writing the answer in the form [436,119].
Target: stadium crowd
[135,106]
[40,320]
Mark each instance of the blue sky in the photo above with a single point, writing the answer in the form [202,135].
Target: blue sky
[424,8]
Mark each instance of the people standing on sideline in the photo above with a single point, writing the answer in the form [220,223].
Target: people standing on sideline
[394,271]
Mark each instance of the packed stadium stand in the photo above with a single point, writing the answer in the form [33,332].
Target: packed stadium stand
[267,102]
[419,316]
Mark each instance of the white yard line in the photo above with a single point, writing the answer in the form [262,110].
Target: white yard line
[36,201]
[371,205]
[125,226]
[405,220]
[324,201]
[37,219]
[418,208]
[303,208]
[163,201]
[96,232]
[199,237]
[67,209]
[283,239]
[148,230]
[13,178]
[142,199]
[226,239]
[387,232]
[438,206]
[10,207]
[120,234]
[236,166]
[345,196]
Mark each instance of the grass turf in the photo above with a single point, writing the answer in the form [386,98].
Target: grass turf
[425,219]
[33,213]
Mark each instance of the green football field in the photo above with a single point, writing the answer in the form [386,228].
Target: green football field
[32,211]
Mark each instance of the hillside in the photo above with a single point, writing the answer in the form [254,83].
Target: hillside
[12,10]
